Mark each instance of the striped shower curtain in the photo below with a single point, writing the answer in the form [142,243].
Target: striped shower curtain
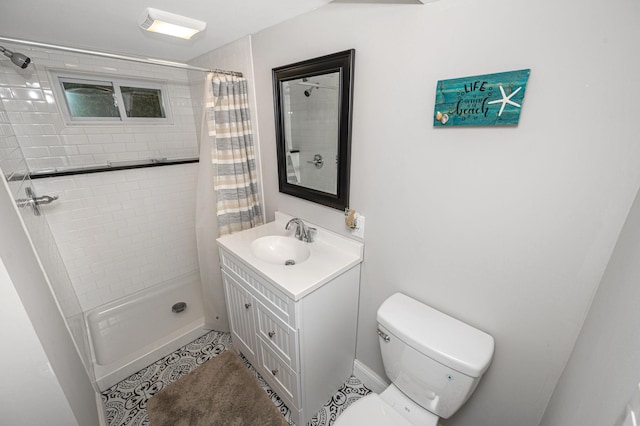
[235,178]
[227,191]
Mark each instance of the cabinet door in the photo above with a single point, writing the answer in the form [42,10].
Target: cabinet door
[241,309]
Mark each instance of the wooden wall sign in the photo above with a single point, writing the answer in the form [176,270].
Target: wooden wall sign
[482,100]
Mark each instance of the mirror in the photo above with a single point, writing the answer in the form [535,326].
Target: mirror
[313,103]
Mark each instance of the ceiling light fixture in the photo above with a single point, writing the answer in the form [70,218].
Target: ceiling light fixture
[159,21]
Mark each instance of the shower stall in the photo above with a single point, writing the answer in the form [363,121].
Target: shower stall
[109,207]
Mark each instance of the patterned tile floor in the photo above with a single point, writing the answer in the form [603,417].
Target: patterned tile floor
[126,401]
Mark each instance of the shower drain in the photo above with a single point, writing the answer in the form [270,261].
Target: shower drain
[179,307]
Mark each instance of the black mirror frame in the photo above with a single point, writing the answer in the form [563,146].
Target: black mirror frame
[344,63]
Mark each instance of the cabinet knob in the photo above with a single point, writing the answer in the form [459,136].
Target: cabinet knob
[247,305]
[271,334]
[274,372]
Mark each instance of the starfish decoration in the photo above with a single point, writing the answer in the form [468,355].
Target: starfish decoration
[506,100]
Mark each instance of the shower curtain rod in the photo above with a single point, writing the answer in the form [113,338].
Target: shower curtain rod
[151,61]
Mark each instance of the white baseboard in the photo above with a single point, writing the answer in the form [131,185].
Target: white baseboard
[102,419]
[368,377]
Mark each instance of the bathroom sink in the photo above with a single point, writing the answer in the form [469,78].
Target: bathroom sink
[265,250]
[280,250]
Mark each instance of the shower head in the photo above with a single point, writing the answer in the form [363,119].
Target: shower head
[17,58]
[307,92]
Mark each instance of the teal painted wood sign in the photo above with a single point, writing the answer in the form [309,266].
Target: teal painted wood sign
[481,100]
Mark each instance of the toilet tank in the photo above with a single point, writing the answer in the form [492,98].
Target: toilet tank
[434,359]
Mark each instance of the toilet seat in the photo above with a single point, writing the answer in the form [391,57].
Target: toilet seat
[371,411]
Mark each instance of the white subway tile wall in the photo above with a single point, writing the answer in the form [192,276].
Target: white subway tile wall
[119,231]
[122,231]
[11,159]
[13,167]
[49,143]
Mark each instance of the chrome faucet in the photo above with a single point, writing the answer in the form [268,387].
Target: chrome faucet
[303,232]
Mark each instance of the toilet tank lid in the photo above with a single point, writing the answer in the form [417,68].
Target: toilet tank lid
[437,335]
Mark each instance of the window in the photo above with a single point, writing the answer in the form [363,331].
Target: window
[92,99]
[142,102]
[112,100]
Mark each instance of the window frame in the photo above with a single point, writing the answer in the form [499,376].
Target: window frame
[60,77]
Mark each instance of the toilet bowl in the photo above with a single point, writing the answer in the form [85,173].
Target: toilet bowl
[434,363]
[390,408]
[371,411]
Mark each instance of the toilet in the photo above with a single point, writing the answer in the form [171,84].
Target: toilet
[434,363]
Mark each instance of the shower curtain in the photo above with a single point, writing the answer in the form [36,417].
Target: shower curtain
[227,191]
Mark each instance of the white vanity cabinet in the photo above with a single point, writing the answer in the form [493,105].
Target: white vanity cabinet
[302,344]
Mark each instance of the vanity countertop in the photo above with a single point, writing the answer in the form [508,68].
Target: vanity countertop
[331,255]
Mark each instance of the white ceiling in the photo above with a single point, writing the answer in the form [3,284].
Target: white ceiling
[112,25]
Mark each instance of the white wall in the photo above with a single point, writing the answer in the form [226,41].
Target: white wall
[508,229]
[606,359]
[29,391]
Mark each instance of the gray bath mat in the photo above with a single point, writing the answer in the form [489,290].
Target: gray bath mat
[222,391]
